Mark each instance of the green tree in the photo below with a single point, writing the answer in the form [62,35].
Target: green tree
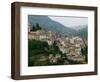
[84,51]
[38,26]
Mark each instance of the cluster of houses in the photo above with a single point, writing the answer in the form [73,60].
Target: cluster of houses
[71,46]
[43,36]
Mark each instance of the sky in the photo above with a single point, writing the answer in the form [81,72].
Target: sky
[70,21]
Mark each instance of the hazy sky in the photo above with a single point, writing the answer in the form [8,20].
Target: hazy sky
[70,21]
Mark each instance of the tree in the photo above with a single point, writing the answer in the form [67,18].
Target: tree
[33,28]
[84,50]
[37,25]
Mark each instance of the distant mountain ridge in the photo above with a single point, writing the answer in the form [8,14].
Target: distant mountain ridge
[79,27]
[49,24]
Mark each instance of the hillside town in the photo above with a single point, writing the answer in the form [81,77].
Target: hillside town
[70,46]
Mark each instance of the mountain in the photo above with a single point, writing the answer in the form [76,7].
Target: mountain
[49,24]
[79,27]
[83,32]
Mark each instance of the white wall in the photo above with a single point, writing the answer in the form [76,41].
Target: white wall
[5,40]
